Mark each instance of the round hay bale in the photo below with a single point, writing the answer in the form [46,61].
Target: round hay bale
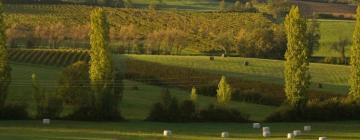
[266,129]
[297,133]
[256,125]
[307,128]
[266,134]
[167,133]
[225,134]
[290,136]
[46,121]
[246,63]
[322,138]
[320,85]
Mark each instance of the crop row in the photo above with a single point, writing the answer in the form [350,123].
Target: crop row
[48,57]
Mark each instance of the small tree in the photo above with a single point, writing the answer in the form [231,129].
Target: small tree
[224,92]
[101,70]
[222,5]
[238,5]
[354,94]
[193,96]
[297,77]
[5,70]
[74,85]
[313,35]
[339,47]
[225,41]
[47,106]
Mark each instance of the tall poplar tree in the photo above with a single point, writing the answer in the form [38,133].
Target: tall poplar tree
[223,92]
[354,94]
[297,77]
[193,95]
[101,67]
[5,70]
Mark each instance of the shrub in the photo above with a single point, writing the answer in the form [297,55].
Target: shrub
[14,112]
[221,114]
[167,110]
[187,111]
[333,109]
[165,75]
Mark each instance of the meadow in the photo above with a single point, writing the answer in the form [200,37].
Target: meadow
[139,97]
[331,31]
[136,103]
[69,130]
[334,77]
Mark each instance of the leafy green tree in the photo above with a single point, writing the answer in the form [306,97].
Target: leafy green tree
[74,85]
[101,67]
[224,92]
[39,96]
[354,94]
[5,70]
[313,35]
[128,3]
[194,95]
[297,77]
[222,5]
[225,41]
[339,47]
[238,5]
[47,106]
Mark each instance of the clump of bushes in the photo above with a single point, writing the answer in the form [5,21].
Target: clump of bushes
[169,110]
[333,109]
[14,111]
[243,90]
[216,113]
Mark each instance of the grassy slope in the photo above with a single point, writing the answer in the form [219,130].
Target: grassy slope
[136,103]
[331,31]
[334,76]
[66,130]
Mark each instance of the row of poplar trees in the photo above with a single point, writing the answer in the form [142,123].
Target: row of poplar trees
[105,88]
[297,75]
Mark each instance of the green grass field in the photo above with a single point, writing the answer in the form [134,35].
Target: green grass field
[335,77]
[331,31]
[68,130]
[136,103]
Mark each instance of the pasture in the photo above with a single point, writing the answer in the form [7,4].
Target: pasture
[69,130]
[136,103]
[335,77]
[332,31]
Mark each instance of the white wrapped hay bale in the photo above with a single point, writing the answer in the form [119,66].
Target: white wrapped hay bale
[225,134]
[307,128]
[322,138]
[290,136]
[46,121]
[297,133]
[167,133]
[256,125]
[266,129]
[266,134]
